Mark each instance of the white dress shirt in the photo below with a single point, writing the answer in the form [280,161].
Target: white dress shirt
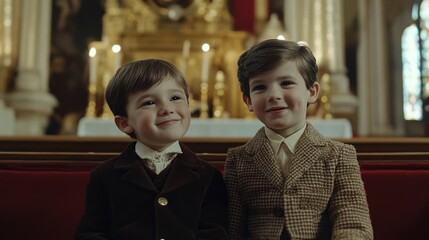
[157,161]
[284,148]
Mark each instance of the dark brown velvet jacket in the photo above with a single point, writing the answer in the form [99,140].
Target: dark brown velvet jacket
[123,203]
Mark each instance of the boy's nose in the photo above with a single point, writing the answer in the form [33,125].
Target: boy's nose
[274,95]
[274,99]
[165,108]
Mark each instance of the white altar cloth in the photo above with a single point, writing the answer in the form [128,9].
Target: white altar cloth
[217,128]
[7,121]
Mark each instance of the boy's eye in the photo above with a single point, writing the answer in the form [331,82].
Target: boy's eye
[176,98]
[286,83]
[258,87]
[146,103]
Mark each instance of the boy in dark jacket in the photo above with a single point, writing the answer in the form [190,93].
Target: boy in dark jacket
[157,188]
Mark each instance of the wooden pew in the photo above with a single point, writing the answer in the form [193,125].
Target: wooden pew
[104,144]
[198,145]
[45,192]
[86,161]
[74,160]
[393,156]
[71,157]
[98,157]
[389,144]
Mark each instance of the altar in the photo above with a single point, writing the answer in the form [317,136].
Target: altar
[7,120]
[217,128]
[205,46]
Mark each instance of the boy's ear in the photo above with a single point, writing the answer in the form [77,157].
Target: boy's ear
[122,123]
[314,93]
[248,102]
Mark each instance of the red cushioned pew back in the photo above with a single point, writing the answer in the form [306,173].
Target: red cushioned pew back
[41,205]
[44,201]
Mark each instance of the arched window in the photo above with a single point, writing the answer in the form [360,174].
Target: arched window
[415,58]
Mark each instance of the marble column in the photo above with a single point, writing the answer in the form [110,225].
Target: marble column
[320,24]
[290,18]
[343,102]
[373,111]
[31,100]
[9,23]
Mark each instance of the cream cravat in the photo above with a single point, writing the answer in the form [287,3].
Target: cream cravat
[160,161]
[284,157]
[157,161]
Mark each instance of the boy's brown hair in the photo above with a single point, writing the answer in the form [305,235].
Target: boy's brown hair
[269,54]
[137,76]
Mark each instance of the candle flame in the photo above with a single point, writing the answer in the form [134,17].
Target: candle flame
[116,48]
[92,52]
[205,47]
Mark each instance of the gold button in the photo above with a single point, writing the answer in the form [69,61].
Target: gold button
[162,201]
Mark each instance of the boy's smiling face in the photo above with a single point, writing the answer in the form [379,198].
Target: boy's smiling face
[158,116]
[279,98]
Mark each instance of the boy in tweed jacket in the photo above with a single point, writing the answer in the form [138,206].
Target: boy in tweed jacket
[290,182]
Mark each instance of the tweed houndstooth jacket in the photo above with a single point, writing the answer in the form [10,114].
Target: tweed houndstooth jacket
[323,196]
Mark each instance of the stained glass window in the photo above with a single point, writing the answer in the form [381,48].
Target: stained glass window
[415,59]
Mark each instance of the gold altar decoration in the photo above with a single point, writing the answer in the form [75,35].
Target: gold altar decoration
[325,107]
[175,30]
[102,64]
[9,47]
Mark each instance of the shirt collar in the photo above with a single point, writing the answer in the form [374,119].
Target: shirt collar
[290,141]
[145,152]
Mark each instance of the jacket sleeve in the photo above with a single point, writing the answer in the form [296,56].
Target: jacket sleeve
[94,223]
[236,211]
[213,218]
[349,207]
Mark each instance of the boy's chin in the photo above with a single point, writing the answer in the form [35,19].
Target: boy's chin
[172,137]
[277,125]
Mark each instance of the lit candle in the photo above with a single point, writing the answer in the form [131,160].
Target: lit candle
[185,55]
[116,49]
[205,62]
[92,65]
[186,49]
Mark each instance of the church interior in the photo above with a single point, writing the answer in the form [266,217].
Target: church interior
[51,84]
[57,57]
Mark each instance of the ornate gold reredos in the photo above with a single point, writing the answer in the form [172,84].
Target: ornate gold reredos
[176,10]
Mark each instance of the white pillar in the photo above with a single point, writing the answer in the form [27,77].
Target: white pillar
[372,77]
[363,79]
[31,99]
[380,122]
[290,13]
[304,31]
[320,23]
[317,36]
[8,29]
[343,102]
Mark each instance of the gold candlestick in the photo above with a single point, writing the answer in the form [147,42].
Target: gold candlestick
[204,100]
[92,87]
[219,93]
[185,56]
[205,65]
[107,113]
[326,105]
[92,95]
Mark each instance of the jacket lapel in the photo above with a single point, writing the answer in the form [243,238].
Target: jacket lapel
[134,171]
[138,175]
[261,153]
[183,172]
[308,151]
